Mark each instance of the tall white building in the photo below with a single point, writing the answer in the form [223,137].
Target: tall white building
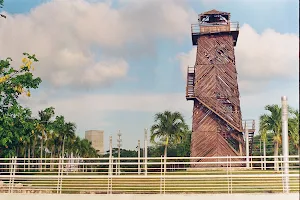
[96,138]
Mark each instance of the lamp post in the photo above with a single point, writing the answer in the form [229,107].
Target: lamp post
[285,142]
[110,155]
[139,155]
[145,149]
[247,145]
[119,140]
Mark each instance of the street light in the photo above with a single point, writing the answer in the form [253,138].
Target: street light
[145,149]
[119,140]
[139,155]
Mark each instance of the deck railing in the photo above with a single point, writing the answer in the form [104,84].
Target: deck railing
[248,124]
[213,28]
[164,175]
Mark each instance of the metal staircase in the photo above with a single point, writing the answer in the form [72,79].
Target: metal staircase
[250,143]
[250,125]
[190,93]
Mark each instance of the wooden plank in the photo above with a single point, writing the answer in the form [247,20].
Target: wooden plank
[216,90]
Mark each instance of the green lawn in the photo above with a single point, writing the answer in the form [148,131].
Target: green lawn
[173,184]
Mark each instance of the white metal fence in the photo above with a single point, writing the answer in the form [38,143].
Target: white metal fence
[157,175]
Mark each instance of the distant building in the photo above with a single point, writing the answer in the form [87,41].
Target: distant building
[96,138]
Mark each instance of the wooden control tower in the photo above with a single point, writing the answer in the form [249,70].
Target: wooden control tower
[212,85]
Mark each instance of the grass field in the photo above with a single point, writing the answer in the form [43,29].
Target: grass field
[203,181]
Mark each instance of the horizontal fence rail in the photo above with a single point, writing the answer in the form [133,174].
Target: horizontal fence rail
[157,175]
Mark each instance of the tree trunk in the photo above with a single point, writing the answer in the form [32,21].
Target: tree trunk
[51,161]
[165,156]
[59,149]
[24,156]
[41,166]
[28,155]
[52,155]
[33,150]
[63,148]
[265,159]
[17,151]
[165,152]
[276,165]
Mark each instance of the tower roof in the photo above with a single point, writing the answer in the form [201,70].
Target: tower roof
[215,12]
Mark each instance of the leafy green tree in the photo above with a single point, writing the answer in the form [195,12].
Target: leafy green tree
[1,6]
[13,84]
[169,128]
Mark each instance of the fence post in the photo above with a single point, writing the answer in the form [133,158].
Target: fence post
[247,146]
[109,176]
[282,172]
[114,166]
[24,161]
[14,173]
[61,173]
[165,165]
[261,159]
[165,170]
[110,155]
[227,174]
[146,151]
[161,174]
[58,175]
[230,175]
[10,175]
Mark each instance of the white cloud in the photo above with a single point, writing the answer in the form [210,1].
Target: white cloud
[260,58]
[266,57]
[100,111]
[147,102]
[187,59]
[83,43]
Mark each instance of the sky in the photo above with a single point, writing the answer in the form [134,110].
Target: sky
[112,64]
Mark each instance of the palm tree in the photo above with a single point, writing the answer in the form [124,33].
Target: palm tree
[57,126]
[68,132]
[272,122]
[76,146]
[294,128]
[169,128]
[43,124]
[263,137]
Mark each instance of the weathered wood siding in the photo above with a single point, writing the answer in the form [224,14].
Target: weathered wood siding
[217,123]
